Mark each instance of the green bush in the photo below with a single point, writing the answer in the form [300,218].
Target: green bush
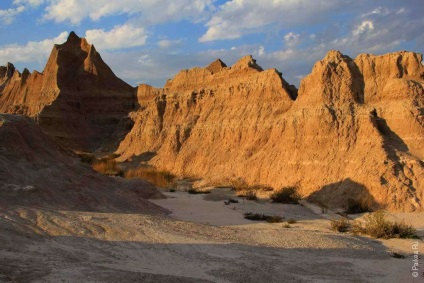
[288,195]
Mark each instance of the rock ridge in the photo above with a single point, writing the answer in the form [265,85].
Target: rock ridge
[353,129]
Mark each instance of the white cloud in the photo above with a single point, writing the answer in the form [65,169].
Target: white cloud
[33,51]
[124,36]
[146,12]
[363,27]
[239,17]
[34,3]
[167,43]
[8,15]
[292,39]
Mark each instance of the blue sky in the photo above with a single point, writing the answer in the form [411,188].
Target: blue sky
[149,41]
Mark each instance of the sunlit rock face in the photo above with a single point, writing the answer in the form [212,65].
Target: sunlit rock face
[354,127]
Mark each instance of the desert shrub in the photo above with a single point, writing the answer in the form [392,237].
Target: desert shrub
[251,195]
[340,225]
[375,225]
[287,225]
[194,192]
[354,206]
[107,167]
[263,217]
[172,190]
[286,195]
[158,178]
[291,221]
[238,184]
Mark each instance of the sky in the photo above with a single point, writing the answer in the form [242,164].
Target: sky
[149,41]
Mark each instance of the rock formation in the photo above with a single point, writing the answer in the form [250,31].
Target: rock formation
[354,129]
[34,171]
[77,99]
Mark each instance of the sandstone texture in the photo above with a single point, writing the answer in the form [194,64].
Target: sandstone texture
[77,99]
[354,129]
[35,172]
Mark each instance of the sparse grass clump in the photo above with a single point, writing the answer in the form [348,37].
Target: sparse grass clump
[375,225]
[355,206]
[107,167]
[288,195]
[291,221]
[340,225]
[250,195]
[158,178]
[263,217]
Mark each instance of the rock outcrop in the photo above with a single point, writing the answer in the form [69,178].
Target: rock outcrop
[77,99]
[34,171]
[354,129]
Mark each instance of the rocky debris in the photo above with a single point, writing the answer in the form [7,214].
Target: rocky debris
[353,129]
[77,99]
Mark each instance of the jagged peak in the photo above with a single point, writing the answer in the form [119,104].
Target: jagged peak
[216,66]
[334,56]
[246,62]
[73,38]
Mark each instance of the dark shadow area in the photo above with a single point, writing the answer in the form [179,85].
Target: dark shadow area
[393,144]
[358,83]
[81,259]
[391,139]
[339,194]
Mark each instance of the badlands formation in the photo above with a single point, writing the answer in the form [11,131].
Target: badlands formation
[353,129]
[77,99]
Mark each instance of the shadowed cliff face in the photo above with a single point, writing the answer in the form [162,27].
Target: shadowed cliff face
[34,171]
[77,99]
[359,119]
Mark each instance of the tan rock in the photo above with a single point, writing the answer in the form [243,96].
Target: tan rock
[354,130]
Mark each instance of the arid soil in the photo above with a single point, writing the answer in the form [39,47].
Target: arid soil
[44,245]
